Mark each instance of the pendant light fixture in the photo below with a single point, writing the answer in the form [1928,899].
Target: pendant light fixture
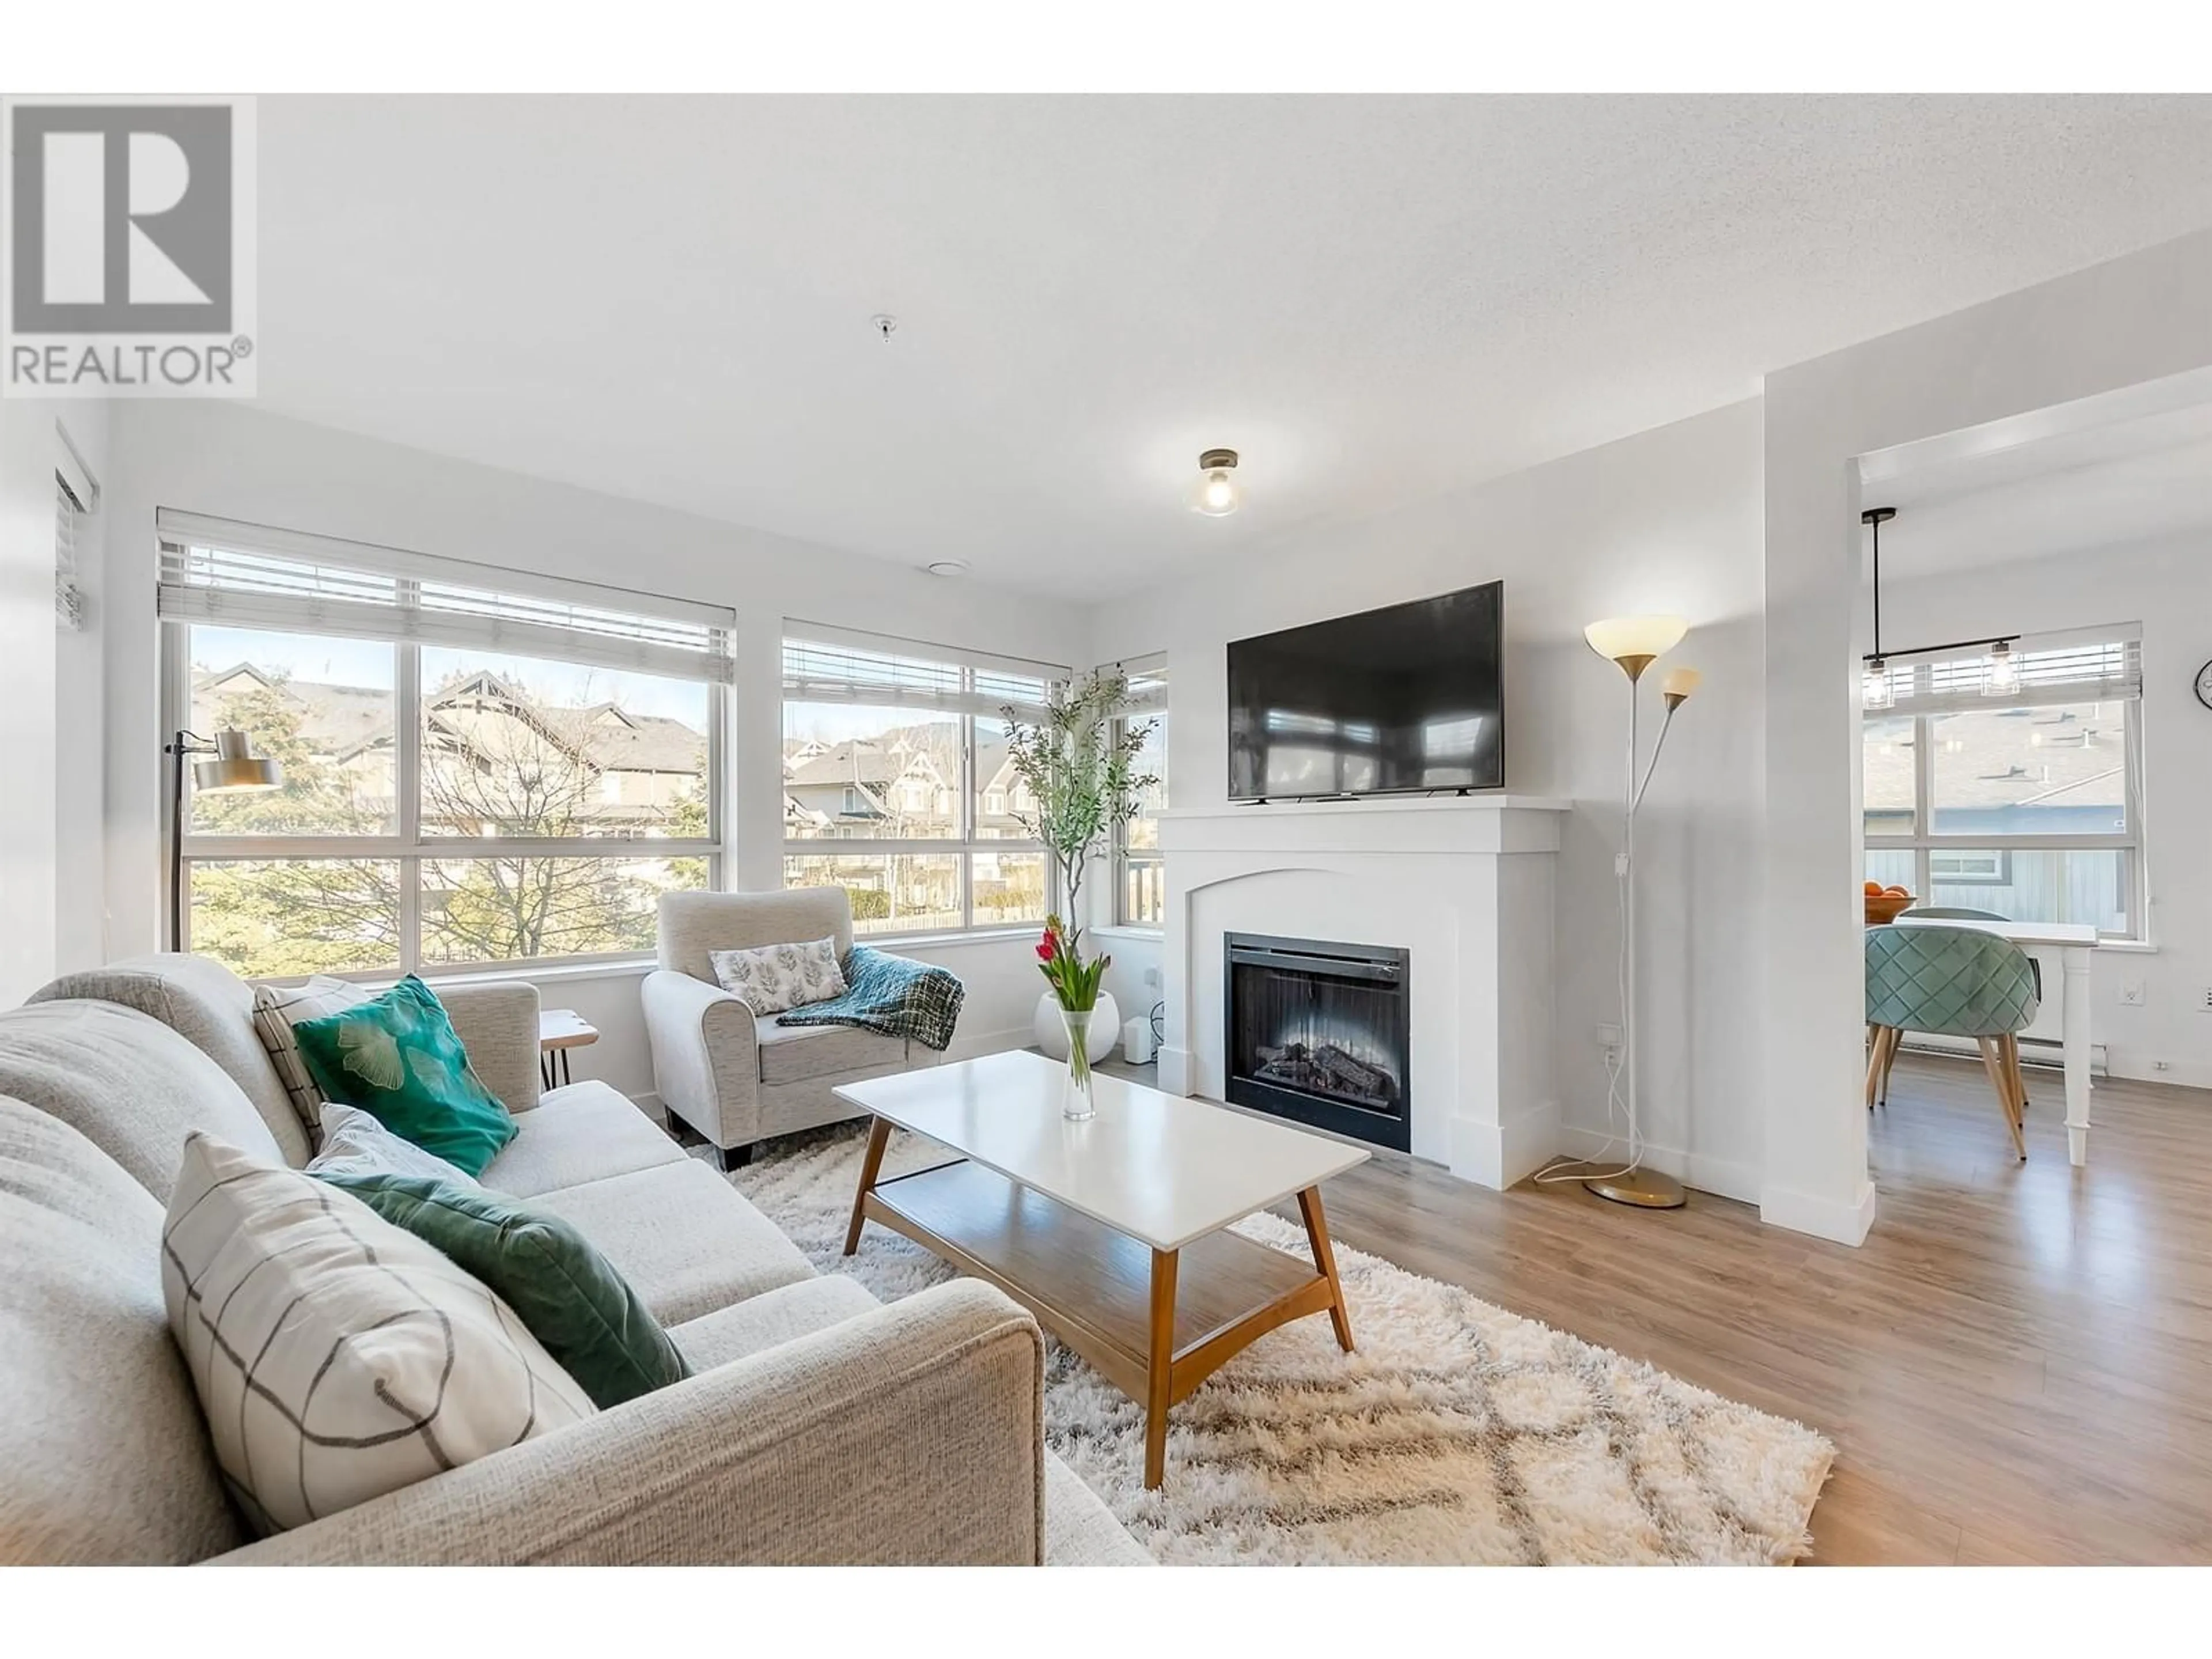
[1217,494]
[2000,670]
[1874,683]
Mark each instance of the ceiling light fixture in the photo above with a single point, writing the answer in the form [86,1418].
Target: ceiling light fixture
[2000,669]
[947,566]
[1217,494]
[2000,675]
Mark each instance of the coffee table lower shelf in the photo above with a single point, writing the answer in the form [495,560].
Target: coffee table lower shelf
[1155,1323]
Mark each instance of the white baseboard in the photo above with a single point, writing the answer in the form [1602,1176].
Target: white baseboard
[1706,1174]
[1175,1071]
[1801,1212]
[1496,1155]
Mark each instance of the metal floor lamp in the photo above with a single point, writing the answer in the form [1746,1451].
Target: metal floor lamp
[234,769]
[1634,643]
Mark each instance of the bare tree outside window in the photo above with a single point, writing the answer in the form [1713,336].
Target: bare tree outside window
[578,756]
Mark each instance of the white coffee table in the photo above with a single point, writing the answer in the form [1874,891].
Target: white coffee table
[1110,1232]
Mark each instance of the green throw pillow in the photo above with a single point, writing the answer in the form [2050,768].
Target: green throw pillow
[397,1059]
[575,1302]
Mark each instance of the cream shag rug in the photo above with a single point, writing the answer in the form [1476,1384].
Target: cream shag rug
[1459,1433]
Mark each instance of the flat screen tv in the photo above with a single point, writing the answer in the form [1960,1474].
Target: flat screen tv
[1408,698]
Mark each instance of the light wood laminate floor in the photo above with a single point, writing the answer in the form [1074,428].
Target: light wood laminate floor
[2015,1367]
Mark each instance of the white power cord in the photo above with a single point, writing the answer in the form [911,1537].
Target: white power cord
[1619,1105]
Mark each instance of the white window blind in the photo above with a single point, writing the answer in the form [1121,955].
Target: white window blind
[251,576]
[1148,684]
[2095,666]
[825,666]
[69,601]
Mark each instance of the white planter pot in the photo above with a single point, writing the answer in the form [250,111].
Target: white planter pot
[1052,1036]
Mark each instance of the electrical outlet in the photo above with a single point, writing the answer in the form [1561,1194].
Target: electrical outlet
[1152,978]
[2131,994]
[1608,1037]
[2205,1006]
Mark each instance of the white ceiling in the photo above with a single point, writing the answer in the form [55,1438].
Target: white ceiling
[2116,485]
[1373,299]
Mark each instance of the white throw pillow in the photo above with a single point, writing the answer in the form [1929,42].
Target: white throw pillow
[779,977]
[336,1357]
[277,1009]
[356,1143]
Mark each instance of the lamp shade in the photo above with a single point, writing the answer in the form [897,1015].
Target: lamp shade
[235,768]
[1635,642]
[1676,684]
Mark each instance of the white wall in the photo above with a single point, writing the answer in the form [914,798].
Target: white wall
[241,464]
[1667,520]
[2100,330]
[49,701]
[2166,586]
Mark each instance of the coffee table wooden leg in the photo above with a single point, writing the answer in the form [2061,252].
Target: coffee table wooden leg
[1325,1258]
[879,1133]
[1160,1367]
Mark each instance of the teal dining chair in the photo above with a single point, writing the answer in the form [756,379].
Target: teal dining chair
[1961,913]
[1950,981]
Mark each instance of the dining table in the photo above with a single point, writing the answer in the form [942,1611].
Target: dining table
[2072,942]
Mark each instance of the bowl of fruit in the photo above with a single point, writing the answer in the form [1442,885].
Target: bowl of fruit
[1885,904]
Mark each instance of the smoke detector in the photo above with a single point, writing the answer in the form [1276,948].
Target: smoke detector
[885,323]
[947,566]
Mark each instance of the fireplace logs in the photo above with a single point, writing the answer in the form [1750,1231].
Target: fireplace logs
[1328,1070]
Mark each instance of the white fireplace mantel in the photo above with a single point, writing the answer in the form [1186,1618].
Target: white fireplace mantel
[1463,883]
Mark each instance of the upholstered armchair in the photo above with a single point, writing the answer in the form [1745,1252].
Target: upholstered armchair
[735,1076]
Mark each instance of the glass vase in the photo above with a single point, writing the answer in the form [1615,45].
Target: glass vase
[1075,1096]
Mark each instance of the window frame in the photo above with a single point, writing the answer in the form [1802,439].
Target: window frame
[408,845]
[1122,856]
[1924,842]
[964,849]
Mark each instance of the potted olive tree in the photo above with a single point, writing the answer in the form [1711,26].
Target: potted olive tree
[1076,769]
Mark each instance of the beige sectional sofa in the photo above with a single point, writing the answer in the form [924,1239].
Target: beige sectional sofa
[820,1427]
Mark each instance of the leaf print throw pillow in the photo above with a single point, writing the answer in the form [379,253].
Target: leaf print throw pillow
[779,977]
[396,1057]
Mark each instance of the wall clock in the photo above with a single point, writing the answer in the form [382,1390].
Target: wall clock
[2204,685]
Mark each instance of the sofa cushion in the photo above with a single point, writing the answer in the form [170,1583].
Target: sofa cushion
[555,1279]
[212,1009]
[582,1132]
[792,1054]
[276,1010]
[1079,1530]
[338,1358]
[397,1056]
[105,1455]
[682,1236]
[131,1085]
[774,1316]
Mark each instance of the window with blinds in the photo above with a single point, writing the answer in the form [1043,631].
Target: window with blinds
[897,785]
[69,599]
[247,576]
[2026,802]
[1139,876]
[480,767]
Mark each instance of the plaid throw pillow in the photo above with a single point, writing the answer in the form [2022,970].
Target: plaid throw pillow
[276,1010]
[336,1357]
